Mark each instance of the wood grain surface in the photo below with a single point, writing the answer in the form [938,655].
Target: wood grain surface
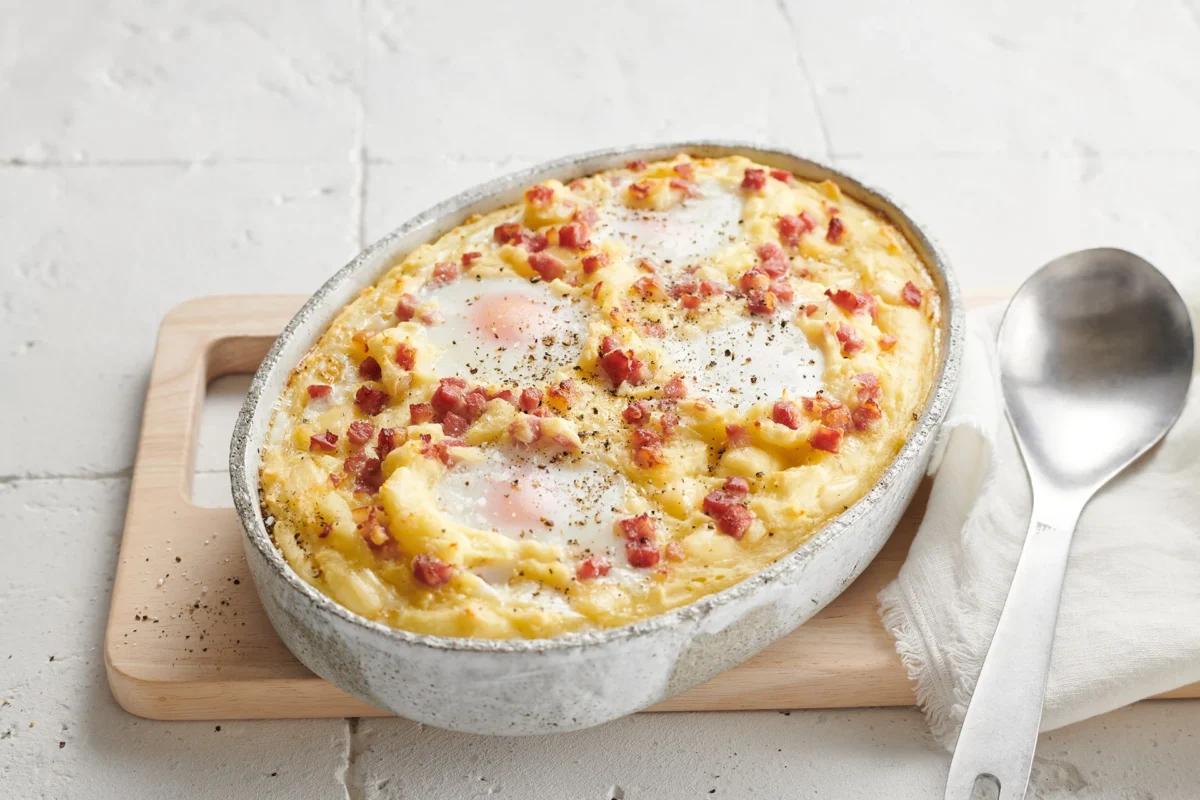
[187,638]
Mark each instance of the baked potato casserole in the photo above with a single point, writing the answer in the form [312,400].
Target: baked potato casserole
[606,401]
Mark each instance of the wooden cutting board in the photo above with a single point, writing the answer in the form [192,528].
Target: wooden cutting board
[187,638]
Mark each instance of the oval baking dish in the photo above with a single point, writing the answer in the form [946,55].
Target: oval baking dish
[527,686]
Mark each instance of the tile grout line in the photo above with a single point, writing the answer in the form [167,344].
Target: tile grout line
[104,475]
[361,161]
[790,23]
[179,161]
[350,782]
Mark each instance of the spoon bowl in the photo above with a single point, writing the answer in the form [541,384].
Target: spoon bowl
[1096,355]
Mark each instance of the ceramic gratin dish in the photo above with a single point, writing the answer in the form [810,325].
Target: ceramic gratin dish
[533,686]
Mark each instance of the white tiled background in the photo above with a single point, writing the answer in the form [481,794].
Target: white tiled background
[151,152]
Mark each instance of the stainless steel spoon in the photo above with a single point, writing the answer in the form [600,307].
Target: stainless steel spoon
[1096,355]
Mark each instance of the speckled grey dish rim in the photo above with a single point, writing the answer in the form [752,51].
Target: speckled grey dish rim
[369,265]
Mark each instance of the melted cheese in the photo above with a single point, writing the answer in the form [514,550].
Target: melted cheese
[492,517]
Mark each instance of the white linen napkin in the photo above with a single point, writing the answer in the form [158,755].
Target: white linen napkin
[1129,625]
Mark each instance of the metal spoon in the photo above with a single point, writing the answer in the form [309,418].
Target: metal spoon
[1096,355]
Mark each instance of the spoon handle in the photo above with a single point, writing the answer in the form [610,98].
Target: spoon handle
[1000,730]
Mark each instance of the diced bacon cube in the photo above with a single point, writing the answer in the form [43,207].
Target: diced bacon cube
[836,230]
[318,390]
[639,371]
[726,506]
[826,438]
[647,448]
[406,356]
[530,399]
[793,226]
[546,265]
[781,175]
[640,190]
[539,195]
[641,547]
[450,396]
[642,554]
[636,413]
[851,302]
[323,442]
[574,235]
[593,263]
[685,170]
[867,386]
[911,294]
[649,288]
[470,258]
[838,417]
[431,571]
[369,369]
[754,179]
[684,287]
[444,272]
[639,527]
[535,243]
[736,436]
[354,463]
[786,413]
[754,280]
[866,415]
[476,402]
[453,424]
[508,233]
[772,260]
[831,414]
[561,395]
[360,432]
[369,477]
[372,529]
[734,521]
[440,450]
[636,165]
[387,442]
[592,567]
[621,366]
[420,413]
[406,307]
[370,400]
[736,486]
[761,303]
[850,340]
[504,394]
[675,388]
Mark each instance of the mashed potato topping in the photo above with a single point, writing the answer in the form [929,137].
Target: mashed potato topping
[604,402]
